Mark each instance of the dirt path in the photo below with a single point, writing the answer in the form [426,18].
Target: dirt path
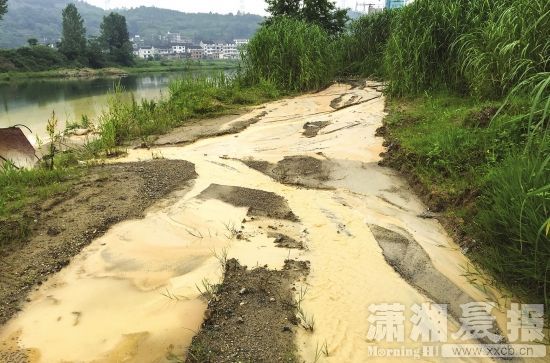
[299,182]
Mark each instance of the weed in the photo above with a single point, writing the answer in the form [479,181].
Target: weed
[307,321]
[207,289]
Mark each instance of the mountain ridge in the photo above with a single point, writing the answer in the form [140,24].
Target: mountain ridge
[41,19]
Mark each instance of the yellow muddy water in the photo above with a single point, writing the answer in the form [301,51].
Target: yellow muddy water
[132,296]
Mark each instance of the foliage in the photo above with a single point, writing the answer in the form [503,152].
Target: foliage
[481,47]
[486,167]
[320,12]
[363,46]
[20,188]
[33,42]
[3,8]
[288,8]
[325,14]
[73,39]
[189,97]
[114,36]
[292,54]
[38,58]
[94,53]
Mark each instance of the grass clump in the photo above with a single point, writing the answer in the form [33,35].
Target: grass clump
[21,188]
[189,97]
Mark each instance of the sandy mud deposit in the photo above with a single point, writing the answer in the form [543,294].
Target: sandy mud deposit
[268,197]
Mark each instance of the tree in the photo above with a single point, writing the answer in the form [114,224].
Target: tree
[321,12]
[3,8]
[73,39]
[94,52]
[290,8]
[325,14]
[116,39]
[33,42]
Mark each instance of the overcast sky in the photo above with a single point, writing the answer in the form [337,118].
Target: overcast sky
[215,6]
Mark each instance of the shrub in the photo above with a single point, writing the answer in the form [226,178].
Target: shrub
[291,54]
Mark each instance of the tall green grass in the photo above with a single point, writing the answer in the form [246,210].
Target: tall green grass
[199,96]
[481,47]
[292,54]
[362,47]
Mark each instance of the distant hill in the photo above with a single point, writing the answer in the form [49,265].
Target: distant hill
[41,19]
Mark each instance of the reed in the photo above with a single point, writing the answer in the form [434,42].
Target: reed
[292,54]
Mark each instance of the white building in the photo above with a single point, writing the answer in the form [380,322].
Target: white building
[178,49]
[146,52]
[229,51]
[240,42]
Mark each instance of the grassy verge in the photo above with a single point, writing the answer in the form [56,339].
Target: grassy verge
[190,97]
[140,67]
[487,173]
[21,189]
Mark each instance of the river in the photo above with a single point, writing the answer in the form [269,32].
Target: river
[31,102]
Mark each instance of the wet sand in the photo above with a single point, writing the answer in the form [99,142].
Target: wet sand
[132,294]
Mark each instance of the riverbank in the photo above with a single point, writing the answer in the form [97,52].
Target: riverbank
[476,166]
[140,68]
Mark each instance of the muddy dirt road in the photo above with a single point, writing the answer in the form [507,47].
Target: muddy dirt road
[299,183]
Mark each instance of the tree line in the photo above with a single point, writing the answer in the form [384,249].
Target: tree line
[111,47]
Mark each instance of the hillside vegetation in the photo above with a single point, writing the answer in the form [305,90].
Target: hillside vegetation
[42,19]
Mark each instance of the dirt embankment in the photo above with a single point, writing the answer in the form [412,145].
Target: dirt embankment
[251,317]
[66,223]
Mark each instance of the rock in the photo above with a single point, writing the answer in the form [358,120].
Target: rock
[240,320]
[272,299]
[53,231]
[287,329]
[242,291]
[81,132]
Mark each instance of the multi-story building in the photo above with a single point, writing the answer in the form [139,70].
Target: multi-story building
[393,4]
[195,52]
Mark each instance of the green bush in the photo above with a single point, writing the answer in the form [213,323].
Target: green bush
[37,58]
[511,224]
[362,47]
[291,54]
[481,47]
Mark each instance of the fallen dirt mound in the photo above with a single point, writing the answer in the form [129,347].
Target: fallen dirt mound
[284,241]
[305,171]
[410,260]
[259,203]
[311,129]
[251,317]
[67,222]
[199,129]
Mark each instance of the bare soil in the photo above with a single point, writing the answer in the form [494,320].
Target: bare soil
[259,203]
[311,129]
[252,317]
[304,171]
[66,223]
